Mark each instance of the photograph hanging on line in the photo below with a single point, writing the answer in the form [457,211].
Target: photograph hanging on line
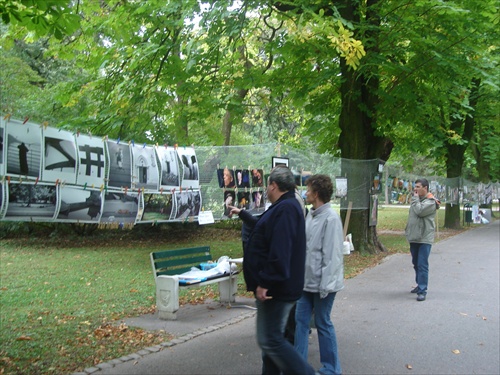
[120,164]
[24,149]
[188,203]
[229,200]
[30,201]
[145,170]
[169,167]
[189,162]
[257,177]
[79,205]
[157,207]
[59,156]
[120,207]
[242,178]
[91,161]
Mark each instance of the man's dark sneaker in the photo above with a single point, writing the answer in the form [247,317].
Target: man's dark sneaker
[420,297]
[414,290]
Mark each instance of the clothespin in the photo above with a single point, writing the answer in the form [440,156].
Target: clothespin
[20,179]
[130,142]
[90,134]
[8,180]
[57,182]
[118,141]
[126,189]
[26,120]
[92,186]
[176,146]
[161,191]
[85,186]
[101,188]
[78,133]
[7,117]
[36,181]
[144,145]
[45,124]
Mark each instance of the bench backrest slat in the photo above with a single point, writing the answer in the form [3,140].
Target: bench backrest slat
[177,261]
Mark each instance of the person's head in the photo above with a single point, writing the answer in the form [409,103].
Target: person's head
[319,190]
[421,187]
[228,177]
[281,180]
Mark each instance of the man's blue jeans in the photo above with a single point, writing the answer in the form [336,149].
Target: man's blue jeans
[278,355]
[322,307]
[420,258]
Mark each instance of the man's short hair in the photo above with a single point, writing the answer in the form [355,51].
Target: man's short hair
[321,184]
[423,182]
[283,177]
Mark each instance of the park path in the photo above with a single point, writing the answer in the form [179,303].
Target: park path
[381,328]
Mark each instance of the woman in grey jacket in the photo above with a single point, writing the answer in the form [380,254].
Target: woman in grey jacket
[324,275]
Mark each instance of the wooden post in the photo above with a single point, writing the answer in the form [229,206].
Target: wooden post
[347,217]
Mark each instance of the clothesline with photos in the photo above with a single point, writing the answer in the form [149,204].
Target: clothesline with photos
[52,174]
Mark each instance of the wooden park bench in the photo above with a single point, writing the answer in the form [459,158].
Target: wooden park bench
[168,265]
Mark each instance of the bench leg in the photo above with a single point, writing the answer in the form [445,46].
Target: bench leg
[167,297]
[228,289]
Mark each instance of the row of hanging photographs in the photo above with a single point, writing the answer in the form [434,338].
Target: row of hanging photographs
[31,152]
[240,178]
[30,201]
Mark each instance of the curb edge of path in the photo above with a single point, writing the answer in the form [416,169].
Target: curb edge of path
[167,344]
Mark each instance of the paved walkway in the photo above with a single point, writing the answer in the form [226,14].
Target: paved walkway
[381,328]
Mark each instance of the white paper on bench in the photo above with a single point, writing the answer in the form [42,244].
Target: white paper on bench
[222,268]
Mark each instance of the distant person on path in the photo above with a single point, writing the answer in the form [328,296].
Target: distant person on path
[324,274]
[420,233]
[274,270]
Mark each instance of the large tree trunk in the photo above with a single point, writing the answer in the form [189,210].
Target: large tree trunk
[455,154]
[358,140]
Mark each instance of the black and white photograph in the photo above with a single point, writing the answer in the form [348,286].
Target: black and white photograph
[242,178]
[191,173]
[145,170]
[120,207]
[169,167]
[229,200]
[340,187]
[2,136]
[30,201]
[158,207]
[188,204]
[59,156]
[24,149]
[91,161]
[79,205]
[120,164]
[276,160]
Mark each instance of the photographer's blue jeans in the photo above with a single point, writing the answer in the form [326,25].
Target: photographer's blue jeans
[278,355]
[322,307]
[420,258]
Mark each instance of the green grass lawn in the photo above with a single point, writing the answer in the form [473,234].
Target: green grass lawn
[62,296]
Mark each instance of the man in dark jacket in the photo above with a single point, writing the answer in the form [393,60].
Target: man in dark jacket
[274,270]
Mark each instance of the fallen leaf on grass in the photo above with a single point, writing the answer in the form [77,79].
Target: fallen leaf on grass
[24,338]
[455,351]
